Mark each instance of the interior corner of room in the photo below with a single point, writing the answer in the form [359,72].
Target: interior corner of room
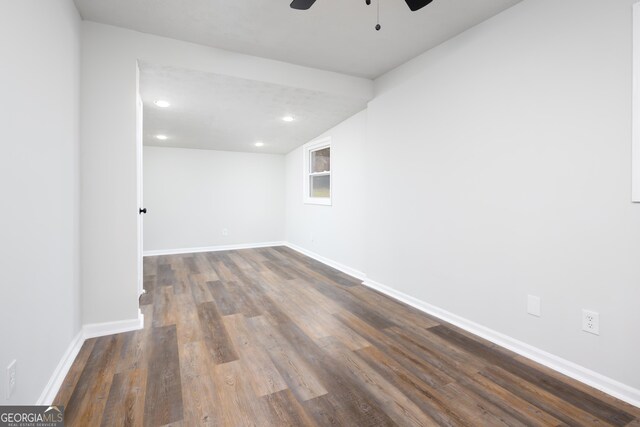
[490,181]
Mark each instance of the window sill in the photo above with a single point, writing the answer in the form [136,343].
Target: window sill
[314,201]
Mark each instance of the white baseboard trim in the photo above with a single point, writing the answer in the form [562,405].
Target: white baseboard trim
[570,369]
[179,251]
[347,270]
[94,330]
[51,389]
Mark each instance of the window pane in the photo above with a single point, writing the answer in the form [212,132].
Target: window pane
[321,160]
[320,186]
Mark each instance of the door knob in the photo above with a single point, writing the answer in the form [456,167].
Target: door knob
[143,210]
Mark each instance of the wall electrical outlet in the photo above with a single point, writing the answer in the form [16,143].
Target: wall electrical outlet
[11,379]
[533,305]
[225,231]
[591,322]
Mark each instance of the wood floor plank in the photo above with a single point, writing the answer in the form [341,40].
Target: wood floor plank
[296,372]
[263,375]
[235,269]
[215,335]
[204,266]
[165,274]
[427,369]
[428,398]
[125,405]
[199,396]
[253,258]
[237,404]
[355,404]
[438,354]
[199,288]
[219,267]
[342,410]
[190,264]
[182,284]
[232,298]
[270,337]
[587,402]
[519,408]
[318,267]
[352,304]
[397,405]
[634,411]
[163,401]
[134,353]
[187,320]
[224,300]
[476,410]
[243,263]
[398,312]
[278,270]
[313,318]
[89,397]
[544,400]
[164,310]
[286,410]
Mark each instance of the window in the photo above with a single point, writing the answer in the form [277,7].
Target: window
[317,172]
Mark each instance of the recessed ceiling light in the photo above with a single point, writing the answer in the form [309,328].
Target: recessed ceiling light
[162,103]
[259,144]
[287,118]
[162,137]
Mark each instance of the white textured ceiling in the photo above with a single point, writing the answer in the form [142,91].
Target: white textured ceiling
[336,35]
[216,112]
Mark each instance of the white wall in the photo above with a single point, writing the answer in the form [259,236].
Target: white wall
[334,232]
[39,290]
[108,164]
[191,195]
[498,165]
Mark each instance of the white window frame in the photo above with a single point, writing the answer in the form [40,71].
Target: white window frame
[307,149]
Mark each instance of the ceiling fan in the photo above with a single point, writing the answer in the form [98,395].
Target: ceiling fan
[413,4]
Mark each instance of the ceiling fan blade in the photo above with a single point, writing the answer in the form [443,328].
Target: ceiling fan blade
[417,4]
[302,4]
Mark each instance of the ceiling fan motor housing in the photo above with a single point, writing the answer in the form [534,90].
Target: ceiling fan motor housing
[413,4]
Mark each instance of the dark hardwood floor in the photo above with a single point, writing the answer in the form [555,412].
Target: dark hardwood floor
[269,337]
